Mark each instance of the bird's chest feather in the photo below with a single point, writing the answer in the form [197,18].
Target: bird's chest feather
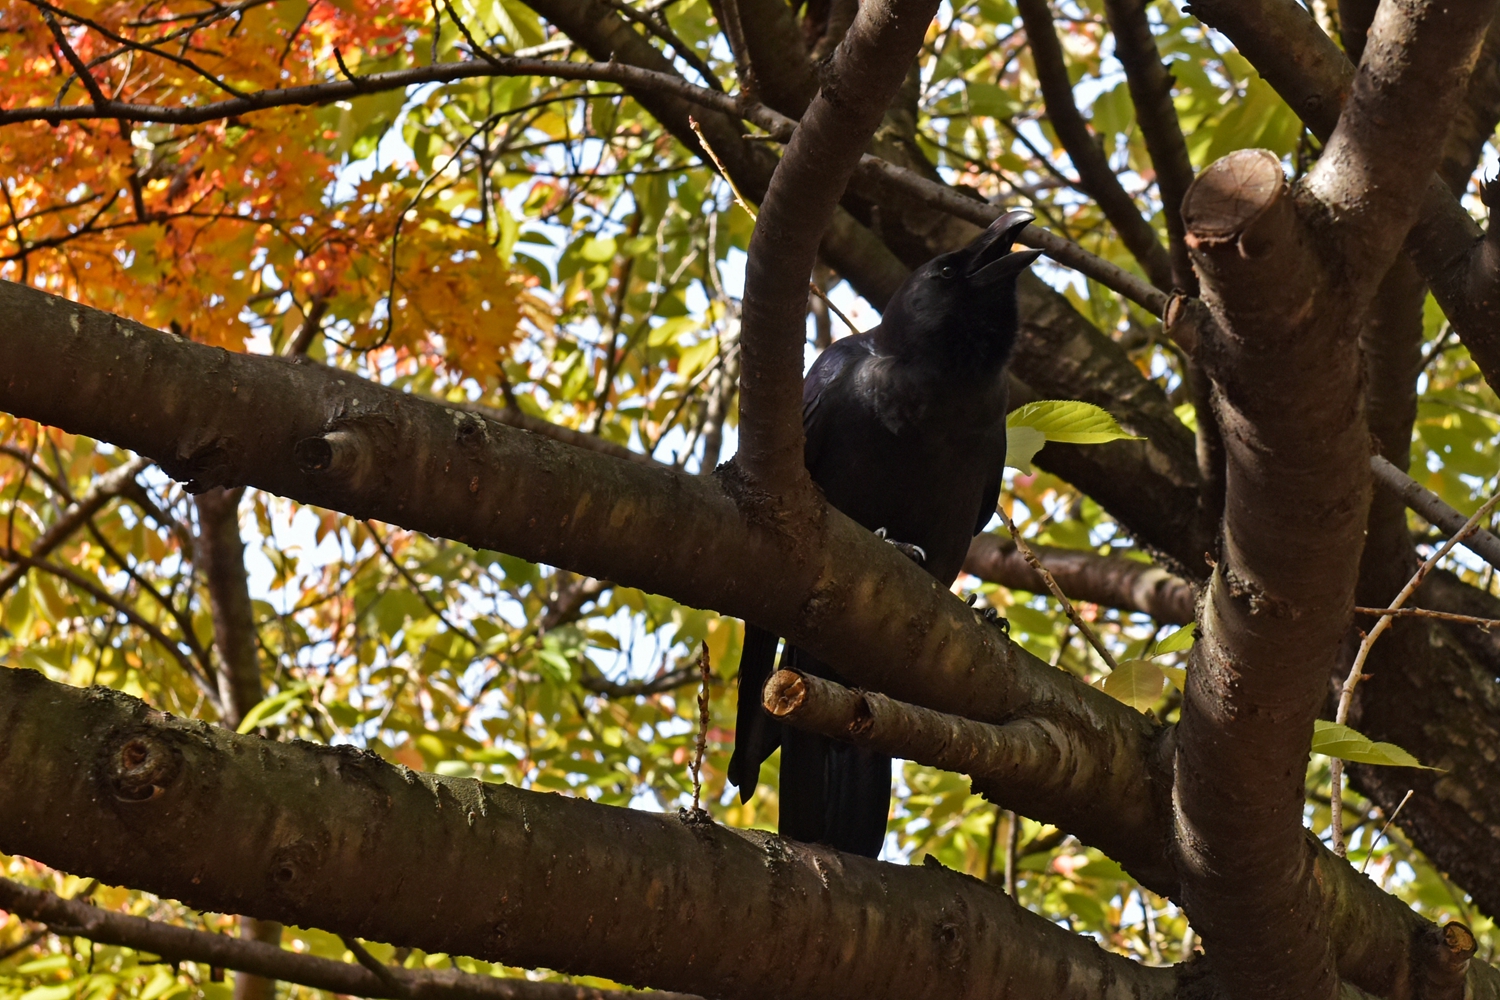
[926,406]
[915,455]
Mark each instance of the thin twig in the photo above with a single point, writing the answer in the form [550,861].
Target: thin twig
[70,918]
[740,200]
[375,965]
[1012,850]
[705,675]
[1056,591]
[719,166]
[778,126]
[1389,820]
[1356,672]
[1485,623]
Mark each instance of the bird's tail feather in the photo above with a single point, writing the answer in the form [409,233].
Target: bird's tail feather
[756,734]
[832,792]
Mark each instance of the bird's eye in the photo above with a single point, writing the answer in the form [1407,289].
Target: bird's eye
[947,271]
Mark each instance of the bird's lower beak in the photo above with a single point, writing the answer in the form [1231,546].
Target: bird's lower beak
[995,259]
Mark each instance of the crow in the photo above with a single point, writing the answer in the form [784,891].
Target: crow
[905,431]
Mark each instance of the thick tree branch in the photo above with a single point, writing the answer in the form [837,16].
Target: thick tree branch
[270,963]
[1287,47]
[1095,173]
[1037,767]
[858,84]
[1410,81]
[1110,581]
[291,831]
[1279,601]
[1447,819]
[324,436]
[228,822]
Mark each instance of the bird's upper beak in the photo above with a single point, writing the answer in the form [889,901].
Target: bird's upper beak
[994,259]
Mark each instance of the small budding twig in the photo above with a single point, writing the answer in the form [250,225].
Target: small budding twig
[1381,835]
[1356,672]
[1047,578]
[740,200]
[701,743]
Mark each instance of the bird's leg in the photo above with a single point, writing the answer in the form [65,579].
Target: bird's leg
[915,553]
[989,614]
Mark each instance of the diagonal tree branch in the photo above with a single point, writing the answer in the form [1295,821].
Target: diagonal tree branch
[1150,86]
[1411,80]
[1037,767]
[1094,171]
[320,435]
[1111,581]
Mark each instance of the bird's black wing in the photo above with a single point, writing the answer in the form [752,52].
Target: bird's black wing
[992,485]
[825,371]
[756,734]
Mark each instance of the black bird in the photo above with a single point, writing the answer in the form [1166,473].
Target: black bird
[906,435]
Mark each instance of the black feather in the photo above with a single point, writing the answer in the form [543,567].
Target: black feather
[905,431]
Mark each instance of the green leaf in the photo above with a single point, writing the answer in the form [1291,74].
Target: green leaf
[597,249]
[1068,421]
[1087,911]
[1178,641]
[1177,675]
[1021,444]
[1188,414]
[988,99]
[274,709]
[59,992]
[553,662]
[1334,740]
[48,963]
[1138,683]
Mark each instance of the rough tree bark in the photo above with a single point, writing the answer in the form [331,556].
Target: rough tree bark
[217,417]
[1282,365]
[502,874]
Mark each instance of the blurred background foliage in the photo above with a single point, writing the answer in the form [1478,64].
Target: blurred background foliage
[547,247]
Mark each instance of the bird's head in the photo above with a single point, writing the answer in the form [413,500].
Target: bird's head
[960,307]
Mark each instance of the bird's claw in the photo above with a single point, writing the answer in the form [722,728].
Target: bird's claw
[988,614]
[915,553]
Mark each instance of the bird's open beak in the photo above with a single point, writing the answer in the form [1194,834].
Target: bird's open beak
[995,259]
